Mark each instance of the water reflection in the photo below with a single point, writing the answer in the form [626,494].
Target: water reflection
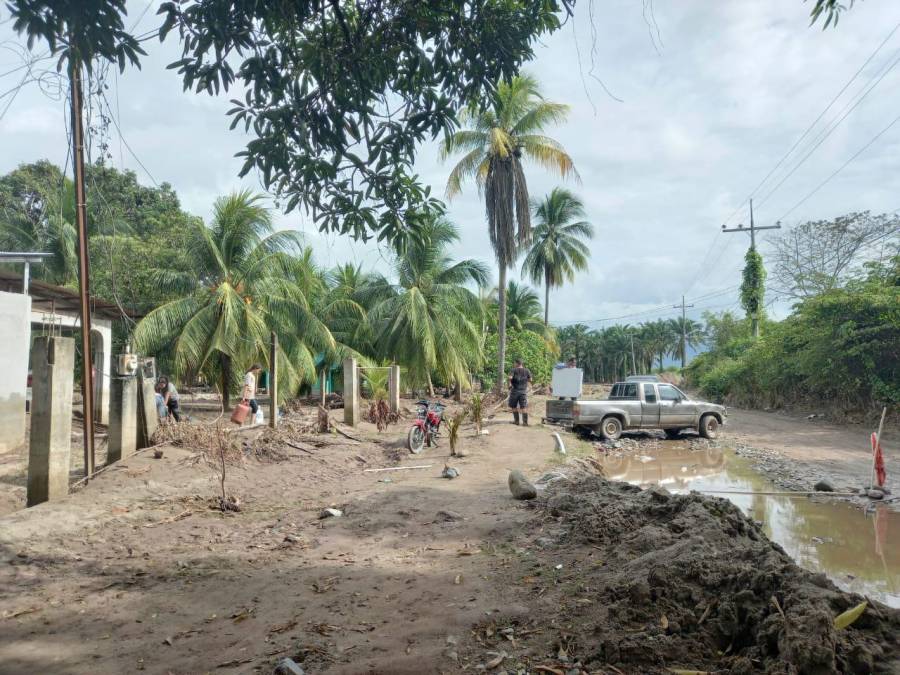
[860,552]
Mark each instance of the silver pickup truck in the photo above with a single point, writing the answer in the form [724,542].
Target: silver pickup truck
[639,405]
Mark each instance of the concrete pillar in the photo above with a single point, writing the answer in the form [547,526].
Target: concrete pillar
[15,337]
[123,418]
[148,418]
[394,388]
[351,392]
[104,366]
[53,368]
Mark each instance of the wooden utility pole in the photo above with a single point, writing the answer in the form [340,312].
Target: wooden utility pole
[683,331]
[87,377]
[633,366]
[273,382]
[753,230]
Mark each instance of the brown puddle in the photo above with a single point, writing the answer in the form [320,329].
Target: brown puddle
[860,552]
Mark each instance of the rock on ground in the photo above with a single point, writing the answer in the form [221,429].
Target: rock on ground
[520,486]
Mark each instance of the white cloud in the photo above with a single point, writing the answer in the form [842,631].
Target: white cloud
[733,86]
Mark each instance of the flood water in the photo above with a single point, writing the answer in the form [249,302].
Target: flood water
[860,552]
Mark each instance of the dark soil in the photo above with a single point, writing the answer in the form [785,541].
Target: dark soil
[648,582]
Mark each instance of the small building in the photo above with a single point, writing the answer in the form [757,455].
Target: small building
[45,310]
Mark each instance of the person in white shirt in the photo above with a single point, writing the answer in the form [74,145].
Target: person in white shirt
[249,392]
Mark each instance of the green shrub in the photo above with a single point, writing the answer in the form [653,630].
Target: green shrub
[537,353]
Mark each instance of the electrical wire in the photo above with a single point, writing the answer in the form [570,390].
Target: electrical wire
[823,136]
[814,123]
[841,168]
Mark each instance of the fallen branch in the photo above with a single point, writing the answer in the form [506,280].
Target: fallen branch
[172,519]
[346,435]
[300,447]
[400,468]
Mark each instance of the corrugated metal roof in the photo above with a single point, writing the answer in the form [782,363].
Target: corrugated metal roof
[47,297]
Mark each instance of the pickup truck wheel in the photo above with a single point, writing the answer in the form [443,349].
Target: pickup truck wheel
[709,427]
[611,428]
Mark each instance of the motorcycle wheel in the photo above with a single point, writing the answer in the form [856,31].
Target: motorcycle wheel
[415,440]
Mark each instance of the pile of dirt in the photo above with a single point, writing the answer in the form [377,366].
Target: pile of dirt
[646,581]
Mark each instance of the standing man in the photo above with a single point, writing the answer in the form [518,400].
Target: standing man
[249,392]
[519,379]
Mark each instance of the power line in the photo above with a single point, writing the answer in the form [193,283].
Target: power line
[841,168]
[814,122]
[823,136]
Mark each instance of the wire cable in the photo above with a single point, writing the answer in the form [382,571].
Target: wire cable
[841,168]
[814,122]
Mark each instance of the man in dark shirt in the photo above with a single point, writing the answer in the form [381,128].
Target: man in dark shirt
[519,379]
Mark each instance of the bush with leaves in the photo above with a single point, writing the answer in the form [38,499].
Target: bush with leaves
[538,355]
[840,348]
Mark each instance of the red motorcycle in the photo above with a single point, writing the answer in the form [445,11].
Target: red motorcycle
[426,427]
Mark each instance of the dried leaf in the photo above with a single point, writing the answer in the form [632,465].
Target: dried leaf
[496,661]
[664,622]
[841,621]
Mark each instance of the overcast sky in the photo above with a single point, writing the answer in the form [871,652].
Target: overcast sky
[712,96]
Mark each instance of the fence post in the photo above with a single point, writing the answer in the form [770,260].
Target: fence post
[351,392]
[394,388]
[273,382]
[53,368]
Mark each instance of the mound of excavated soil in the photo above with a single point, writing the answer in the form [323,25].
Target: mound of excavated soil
[645,581]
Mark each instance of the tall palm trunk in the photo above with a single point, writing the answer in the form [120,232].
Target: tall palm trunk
[226,380]
[501,331]
[430,386]
[547,299]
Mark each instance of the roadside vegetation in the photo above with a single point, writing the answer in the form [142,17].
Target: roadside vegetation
[839,348]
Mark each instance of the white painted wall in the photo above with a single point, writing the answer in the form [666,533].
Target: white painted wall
[15,345]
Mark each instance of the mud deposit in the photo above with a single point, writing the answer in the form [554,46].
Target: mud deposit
[647,581]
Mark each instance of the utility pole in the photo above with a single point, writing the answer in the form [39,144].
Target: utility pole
[633,366]
[87,377]
[683,331]
[753,230]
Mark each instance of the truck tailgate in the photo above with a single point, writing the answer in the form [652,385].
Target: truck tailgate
[559,410]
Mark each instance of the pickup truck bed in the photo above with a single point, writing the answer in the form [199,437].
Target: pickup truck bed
[639,405]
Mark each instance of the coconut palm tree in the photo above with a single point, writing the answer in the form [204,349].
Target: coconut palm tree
[498,140]
[429,320]
[243,287]
[523,310]
[557,250]
[688,333]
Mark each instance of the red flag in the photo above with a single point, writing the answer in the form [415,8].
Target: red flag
[880,473]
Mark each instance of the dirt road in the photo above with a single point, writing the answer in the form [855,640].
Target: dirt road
[803,451]
[137,573]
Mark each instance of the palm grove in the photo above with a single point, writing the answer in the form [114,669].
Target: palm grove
[211,294]
[335,107]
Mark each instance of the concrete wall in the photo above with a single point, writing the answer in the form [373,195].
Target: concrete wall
[102,346]
[15,344]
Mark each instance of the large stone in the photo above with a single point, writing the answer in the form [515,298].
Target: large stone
[823,486]
[288,667]
[520,486]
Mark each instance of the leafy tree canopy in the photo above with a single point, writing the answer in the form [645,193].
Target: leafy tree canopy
[339,93]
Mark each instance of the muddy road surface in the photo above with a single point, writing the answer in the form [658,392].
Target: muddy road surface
[420,574]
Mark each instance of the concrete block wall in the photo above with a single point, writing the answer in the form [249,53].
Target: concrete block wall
[15,344]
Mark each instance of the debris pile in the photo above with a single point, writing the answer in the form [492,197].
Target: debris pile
[650,582]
